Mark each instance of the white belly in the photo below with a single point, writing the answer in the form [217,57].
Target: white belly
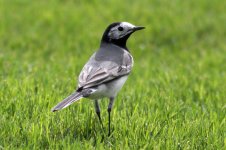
[109,89]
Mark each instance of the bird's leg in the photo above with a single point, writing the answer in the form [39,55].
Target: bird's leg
[97,108]
[109,114]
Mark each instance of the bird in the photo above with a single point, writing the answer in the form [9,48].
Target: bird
[106,71]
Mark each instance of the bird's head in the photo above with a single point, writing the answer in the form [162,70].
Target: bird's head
[118,33]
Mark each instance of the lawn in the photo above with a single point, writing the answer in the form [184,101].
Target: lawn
[175,97]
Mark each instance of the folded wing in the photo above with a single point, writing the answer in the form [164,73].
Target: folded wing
[97,72]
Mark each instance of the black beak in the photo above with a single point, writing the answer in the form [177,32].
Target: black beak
[138,28]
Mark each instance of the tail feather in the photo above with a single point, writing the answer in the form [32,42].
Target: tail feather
[67,101]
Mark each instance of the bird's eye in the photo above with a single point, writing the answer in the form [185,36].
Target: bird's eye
[120,28]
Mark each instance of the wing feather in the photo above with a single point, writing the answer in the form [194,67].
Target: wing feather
[97,72]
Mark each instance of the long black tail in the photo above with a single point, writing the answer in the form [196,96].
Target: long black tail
[67,101]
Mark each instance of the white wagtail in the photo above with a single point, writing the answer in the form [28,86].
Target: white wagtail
[107,69]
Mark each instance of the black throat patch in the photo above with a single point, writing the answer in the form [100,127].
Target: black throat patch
[119,42]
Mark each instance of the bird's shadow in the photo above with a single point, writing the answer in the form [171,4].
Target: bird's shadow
[92,131]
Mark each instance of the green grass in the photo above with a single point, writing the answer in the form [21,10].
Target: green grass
[175,97]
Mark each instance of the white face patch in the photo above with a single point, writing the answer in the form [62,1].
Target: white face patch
[120,30]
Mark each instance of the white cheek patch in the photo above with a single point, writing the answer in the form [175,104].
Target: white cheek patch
[116,34]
